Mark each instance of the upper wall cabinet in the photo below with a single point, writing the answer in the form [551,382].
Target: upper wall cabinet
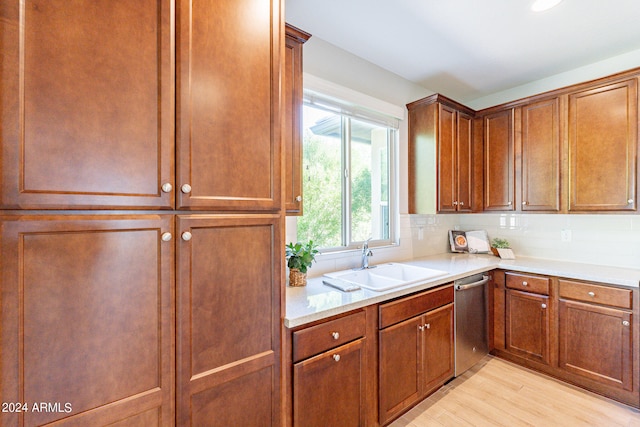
[292,111]
[499,161]
[603,141]
[87,116]
[440,135]
[540,156]
[228,118]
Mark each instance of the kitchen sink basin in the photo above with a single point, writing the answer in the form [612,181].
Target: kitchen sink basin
[387,276]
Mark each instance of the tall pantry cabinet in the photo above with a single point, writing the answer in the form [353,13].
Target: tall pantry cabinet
[140,212]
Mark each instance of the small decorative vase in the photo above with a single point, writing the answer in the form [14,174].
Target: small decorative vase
[297,278]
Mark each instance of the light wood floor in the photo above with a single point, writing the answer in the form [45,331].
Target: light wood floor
[499,393]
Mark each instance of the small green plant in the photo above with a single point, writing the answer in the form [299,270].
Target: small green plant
[499,243]
[301,256]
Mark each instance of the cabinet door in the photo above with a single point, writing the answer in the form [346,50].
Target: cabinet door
[329,388]
[228,319]
[603,143]
[499,161]
[86,106]
[527,322]
[87,319]
[228,116]
[596,343]
[464,159]
[400,364]
[447,165]
[438,361]
[541,156]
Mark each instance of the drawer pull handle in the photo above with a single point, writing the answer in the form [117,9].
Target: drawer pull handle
[544,305]
[335,335]
[592,294]
[524,283]
[625,323]
[336,357]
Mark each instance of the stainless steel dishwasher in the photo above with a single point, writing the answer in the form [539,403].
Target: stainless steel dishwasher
[470,302]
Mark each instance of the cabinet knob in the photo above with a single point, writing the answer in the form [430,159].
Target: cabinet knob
[544,305]
[336,357]
[625,323]
[298,198]
[420,328]
[455,203]
[525,284]
[524,203]
[427,325]
[186,189]
[592,294]
[461,203]
[510,203]
[335,335]
[630,201]
[166,237]
[186,236]
[167,187]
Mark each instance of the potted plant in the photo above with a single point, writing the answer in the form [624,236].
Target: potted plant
[299,259]
[498,243]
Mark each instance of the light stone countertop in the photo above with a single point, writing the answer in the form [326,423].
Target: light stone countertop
[317,301]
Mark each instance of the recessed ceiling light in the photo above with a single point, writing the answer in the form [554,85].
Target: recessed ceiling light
[541,5]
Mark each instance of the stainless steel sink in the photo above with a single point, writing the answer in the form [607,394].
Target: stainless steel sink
[387,276]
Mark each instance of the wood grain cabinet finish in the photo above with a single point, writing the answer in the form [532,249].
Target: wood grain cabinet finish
[88,319]
[227,104]
[499,160]
[603,144]
[441,134]
[292,111]
[86,113]
[528,325]
[416,354]
[228,320]
[540,156]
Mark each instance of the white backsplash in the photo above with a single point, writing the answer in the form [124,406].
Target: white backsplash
[595,239]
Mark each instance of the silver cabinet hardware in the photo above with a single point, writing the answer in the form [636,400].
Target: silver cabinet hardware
[335,335]
[455,203]
[544,305]
[186,236]
[420,328]
[336,357]
[166,237]
[427,325]
[592,294]
[630,201]
[625,323]
[510,203]
[186,189]
[524,203]
[298,198]
[167,187]
[461,203]
[525,284]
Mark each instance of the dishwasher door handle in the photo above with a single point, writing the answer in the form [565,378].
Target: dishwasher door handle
[484,280]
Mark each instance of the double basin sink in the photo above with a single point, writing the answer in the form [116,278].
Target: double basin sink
[386,276]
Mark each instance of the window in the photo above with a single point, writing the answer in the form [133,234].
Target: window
[348,175]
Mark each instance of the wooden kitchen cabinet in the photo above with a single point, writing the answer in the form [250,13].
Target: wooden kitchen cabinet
[87,319]
[292,111]
[527,317]
[499,161]
[87,107]
[416,350]
[603,144]
[540,156]
[227,106]
[228,319]
[440,127]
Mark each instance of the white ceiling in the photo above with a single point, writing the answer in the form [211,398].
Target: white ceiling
[467,49]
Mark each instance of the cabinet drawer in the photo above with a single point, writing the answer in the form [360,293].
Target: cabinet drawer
[316,339]
[405,308]
[528,283]
[598,294]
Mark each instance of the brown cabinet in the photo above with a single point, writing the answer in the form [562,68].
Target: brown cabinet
[499,161]
[87,116]
[603,144]
[441,127]
[540,156]
[87,319]
[329,375]
[228,319]
[597,334]
[416,350]
[292,112]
